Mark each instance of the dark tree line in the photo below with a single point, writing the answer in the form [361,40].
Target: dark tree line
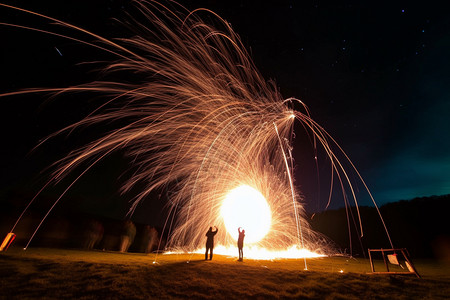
[421,225]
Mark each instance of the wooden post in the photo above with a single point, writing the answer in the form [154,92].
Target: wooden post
[371,262]
[384,258]
[406,256]
[7,241]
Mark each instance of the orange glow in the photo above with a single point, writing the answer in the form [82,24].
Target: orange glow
[247,208]
[255,252]
[7,241]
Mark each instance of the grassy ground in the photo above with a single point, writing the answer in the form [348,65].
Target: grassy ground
[52,273]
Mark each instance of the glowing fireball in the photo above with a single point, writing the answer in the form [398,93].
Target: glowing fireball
[246,207]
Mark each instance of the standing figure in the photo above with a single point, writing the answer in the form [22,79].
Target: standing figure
[241,243]
[210,242]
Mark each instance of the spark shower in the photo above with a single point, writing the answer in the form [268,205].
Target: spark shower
[200,120]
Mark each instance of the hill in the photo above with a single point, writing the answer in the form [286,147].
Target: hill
[420,225]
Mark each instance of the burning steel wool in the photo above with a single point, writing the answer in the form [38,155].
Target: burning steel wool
[203,121]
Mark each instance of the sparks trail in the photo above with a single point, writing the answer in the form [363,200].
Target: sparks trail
[202,120]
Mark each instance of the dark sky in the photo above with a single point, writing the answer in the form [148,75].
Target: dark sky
[373,73]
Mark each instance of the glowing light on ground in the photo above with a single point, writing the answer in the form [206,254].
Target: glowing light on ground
[247,208]
[255,252]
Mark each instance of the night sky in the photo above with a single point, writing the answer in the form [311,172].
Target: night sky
[374,75]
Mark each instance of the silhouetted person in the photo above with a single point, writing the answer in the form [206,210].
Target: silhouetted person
[241,243]
[210,242]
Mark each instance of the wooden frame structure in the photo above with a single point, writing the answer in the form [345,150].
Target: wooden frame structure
[392,257]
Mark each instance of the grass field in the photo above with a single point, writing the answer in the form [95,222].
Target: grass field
[55,273]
